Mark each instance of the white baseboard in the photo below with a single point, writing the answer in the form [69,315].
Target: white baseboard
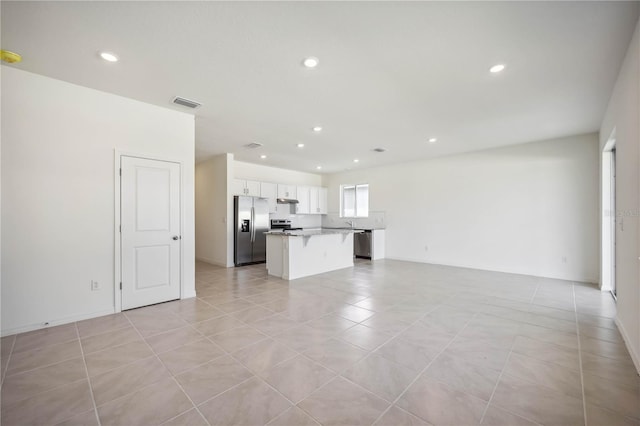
[189,295]
[503,270]
[211,261]
[634,355]
[53,323]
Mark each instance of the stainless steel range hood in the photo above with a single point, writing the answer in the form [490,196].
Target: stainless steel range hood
[286,201]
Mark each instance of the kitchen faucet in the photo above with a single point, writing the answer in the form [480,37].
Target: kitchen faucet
[352,223]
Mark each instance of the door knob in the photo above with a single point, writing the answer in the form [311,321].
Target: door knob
[176,238]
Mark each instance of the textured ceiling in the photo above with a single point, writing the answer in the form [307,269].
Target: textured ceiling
[391,74]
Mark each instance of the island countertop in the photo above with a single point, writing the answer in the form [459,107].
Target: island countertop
[312,232]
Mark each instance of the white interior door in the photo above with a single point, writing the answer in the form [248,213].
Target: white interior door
[150,234]
[614,217]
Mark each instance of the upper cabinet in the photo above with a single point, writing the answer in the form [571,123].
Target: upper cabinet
[270,192]
[303,200]
[246,187]
[311,200]
[287,191]
[322,201]
[318,204]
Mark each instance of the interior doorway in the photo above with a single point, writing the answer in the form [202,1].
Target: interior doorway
[150,231]
[609,216]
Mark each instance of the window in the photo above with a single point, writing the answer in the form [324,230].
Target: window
[354,200]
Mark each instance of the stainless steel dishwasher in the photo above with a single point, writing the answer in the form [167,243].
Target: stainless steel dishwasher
[362,244]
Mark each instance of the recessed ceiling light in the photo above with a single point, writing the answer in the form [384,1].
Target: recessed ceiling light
[317,129]
[300,145]
[356,160]
[432,140]
[263,156]
[109,57]
[497,68]
[319,167]
[311,62]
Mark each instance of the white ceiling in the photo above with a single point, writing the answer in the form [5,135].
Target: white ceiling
[391,74]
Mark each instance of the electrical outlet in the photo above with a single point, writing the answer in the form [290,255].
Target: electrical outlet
[564,259]
[95,285]
[426,248]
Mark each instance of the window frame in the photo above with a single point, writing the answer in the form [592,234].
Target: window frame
[355,200]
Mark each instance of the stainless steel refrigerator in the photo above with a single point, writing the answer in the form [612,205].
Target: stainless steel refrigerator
[251,215]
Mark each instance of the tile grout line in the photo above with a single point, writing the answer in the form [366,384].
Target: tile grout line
[327,296]
[584,399]
[195,406]
[255,374]
[86,371]
[6,368]
[230,354]
[527,380]
[495,387]
[47,365]
[169,371]
[421,372]
[535,293]
[370,352]
[339,374]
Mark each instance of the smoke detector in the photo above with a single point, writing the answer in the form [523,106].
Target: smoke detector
[378,149]
[10,57]
[186,102]
[253,145]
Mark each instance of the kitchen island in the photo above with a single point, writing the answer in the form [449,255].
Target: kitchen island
[297,254]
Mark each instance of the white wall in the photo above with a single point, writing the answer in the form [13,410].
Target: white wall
[214,203]
[521,209]
[623,116]
[58,143]
[212,209]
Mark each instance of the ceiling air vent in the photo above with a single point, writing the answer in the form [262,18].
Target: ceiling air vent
[378,149]
[253,145]
[186,102]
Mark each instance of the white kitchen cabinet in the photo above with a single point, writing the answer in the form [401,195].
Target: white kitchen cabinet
[253,188]
[303,206]
[287,191]
[290,257]
[322,201]
[317,200]
[238,187]
[377,244]
[313,200]
[270,192]
[246,187]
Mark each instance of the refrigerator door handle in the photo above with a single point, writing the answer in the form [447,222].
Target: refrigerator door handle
[253,224]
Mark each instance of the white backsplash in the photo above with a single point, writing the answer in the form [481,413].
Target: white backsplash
[332,220]
[307,221]
[376,220]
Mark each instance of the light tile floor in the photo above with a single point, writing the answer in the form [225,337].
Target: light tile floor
[389,343]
